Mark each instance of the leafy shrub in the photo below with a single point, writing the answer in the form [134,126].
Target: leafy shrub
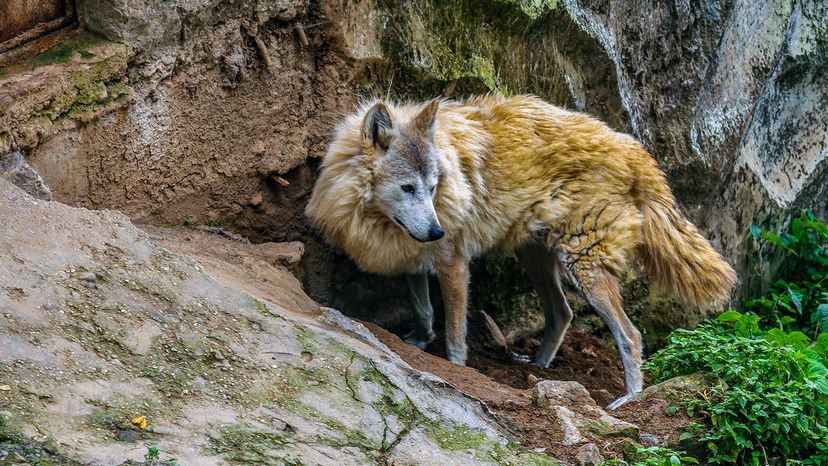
[775,404]
[798,299]
[654,456]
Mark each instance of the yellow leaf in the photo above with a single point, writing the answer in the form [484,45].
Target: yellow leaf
[141,422]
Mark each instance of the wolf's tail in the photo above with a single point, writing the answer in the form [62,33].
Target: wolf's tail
[678,259]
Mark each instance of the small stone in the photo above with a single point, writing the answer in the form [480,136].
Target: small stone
[128,436]
[532,379]
[561,392]
[75,295]
[568,424]
[103,95]
[608,426]
[651,440]
[589,455]
[602,396]
[255,200]
[287,14]
[489,330]
[88,276]
[50,446]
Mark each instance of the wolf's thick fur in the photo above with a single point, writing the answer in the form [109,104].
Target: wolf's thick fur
[563,191]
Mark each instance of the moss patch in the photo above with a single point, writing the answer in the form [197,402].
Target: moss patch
[241,444]
[66,50]
[463,438]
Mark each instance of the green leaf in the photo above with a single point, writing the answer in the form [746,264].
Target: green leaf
[796,227]
[729,316]
[822,317]
[796,297]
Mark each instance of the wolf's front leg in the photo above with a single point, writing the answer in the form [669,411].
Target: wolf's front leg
[423,332]
[454,278]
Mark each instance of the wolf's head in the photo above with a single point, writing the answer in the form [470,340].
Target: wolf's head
[406,168]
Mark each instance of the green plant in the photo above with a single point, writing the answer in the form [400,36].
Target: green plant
[654,456]
[775,402]
[798,298]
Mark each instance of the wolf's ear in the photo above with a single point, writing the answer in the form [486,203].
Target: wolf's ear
[376,127]
[423,123]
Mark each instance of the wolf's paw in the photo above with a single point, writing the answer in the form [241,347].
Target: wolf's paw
[620,402]
[418,340]
[456,354]
[520,358]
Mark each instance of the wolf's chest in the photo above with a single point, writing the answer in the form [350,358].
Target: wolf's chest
[391,253]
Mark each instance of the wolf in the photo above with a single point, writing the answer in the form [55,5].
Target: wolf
[423,188]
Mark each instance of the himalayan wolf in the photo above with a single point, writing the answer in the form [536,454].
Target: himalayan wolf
[415,189]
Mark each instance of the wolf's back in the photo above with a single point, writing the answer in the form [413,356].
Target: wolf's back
[678,259]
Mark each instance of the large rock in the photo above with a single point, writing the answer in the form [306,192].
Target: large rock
[221,352]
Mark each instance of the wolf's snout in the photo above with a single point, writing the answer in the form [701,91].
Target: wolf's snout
[435,232]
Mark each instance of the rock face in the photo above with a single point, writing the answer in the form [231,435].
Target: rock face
[222,353]
[730,97]
[213,112]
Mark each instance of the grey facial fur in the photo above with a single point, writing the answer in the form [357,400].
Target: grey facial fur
[405,186]
[406,171]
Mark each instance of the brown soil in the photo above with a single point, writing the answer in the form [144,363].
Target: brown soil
[502,384]
[583,358]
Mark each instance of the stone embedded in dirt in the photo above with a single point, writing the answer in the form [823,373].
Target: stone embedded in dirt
[609,426]
[677,388]
[286,254]
[589,455]
[580,419]
[561,392]
[568,422]
[255,200]
[532,379]
[483,326]
[602,396]
[88,276]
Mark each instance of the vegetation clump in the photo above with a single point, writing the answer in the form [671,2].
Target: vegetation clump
[773,405]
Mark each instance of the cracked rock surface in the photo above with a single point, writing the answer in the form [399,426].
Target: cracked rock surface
[217,347]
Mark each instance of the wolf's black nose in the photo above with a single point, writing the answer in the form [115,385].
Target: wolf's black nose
[435,233]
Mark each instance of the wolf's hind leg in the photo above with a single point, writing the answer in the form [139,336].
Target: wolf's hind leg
[602,292]
[541,264]
[423,332]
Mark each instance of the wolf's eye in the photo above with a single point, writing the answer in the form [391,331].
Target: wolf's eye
[409,188]
[433,188]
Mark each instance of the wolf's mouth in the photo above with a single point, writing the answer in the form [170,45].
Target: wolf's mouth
[401,224]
